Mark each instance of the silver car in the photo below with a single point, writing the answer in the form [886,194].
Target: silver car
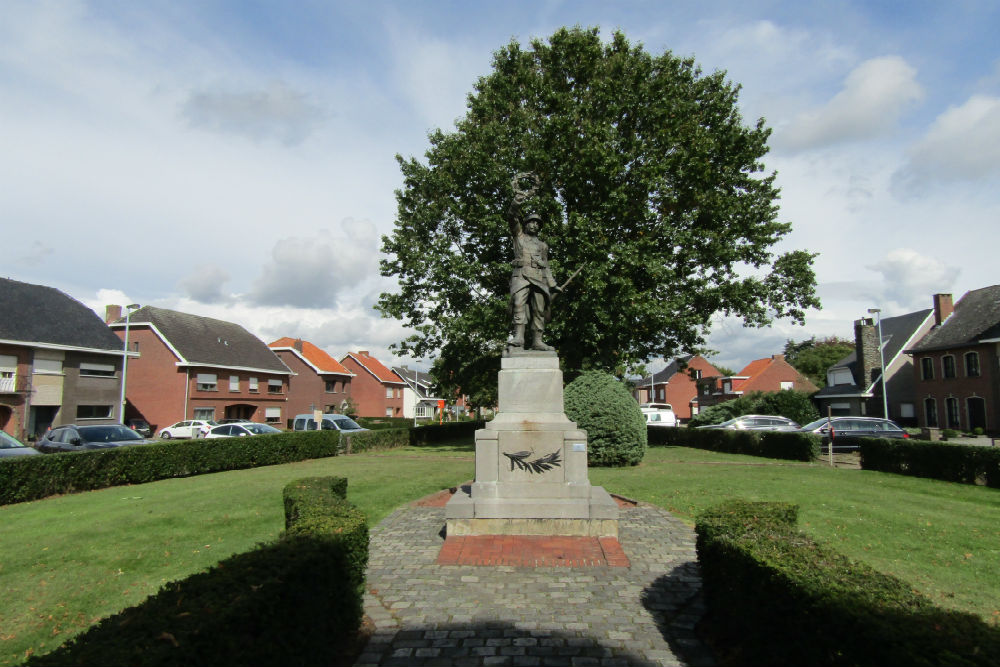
[757,423]
[11,447]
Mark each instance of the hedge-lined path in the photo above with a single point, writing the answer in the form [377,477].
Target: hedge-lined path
[429,614]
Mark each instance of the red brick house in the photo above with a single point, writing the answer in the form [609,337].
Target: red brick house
[59,363]
[770,374]
[193,367]
[956,366]
[676,384]
[319,382]
[375,389]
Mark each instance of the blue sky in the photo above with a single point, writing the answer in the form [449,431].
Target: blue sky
[236,159]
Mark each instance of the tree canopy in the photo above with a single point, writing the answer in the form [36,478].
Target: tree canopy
[651,187]
[813,357]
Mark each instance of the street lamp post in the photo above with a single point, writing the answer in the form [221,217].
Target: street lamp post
[121,408]
[877,312]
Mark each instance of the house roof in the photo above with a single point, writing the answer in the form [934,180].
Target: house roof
[754,372]
[314,356]
[375,367]
[204,341]
[976,318]
[668,372]
[36,314]
[421,383]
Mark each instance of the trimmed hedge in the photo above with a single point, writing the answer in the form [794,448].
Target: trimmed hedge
[616,430]
[291,602]
[373,441]
[762,576]
[33,477]
[966,464]
[788,445]
[435,433]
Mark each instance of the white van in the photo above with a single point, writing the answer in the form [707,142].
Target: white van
[331,422]
[658,414]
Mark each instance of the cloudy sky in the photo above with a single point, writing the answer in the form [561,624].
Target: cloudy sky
[235,159]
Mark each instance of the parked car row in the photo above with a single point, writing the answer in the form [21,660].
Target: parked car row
[844,432]
[757,423]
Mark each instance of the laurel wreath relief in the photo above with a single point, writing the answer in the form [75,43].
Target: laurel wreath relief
[541,464]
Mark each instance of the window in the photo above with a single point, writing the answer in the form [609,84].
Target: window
[331,387]
[253,386]
[948,366]
[234,383]
[204,414]
[388,393]
[97,370]
[274,386]
[926,368]
[48,366]
[388,412]
[972,364]
[421,410]
[953,417]
[907,410]
[787,385]
[207,382]
[272,415]
[399,393]
[661,394]
[93,412]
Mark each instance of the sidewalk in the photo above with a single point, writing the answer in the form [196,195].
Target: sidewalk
[430,614]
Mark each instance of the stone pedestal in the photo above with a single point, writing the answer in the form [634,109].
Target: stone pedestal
[531,463]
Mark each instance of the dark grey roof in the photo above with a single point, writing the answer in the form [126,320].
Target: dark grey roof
[668,372]
[40,314]
[896,333]
[209,342]
[421,383]
[976,317]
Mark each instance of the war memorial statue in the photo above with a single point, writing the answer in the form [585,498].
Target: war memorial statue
[531,460]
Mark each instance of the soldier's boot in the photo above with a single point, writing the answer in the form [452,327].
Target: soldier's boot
[517,340]
[538,343]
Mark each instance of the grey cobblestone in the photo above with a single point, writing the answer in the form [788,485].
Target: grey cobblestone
[457,616]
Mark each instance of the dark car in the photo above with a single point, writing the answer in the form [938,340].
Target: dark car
[846,432]
[11,447]
[757,423]
[140,426]
[72,438]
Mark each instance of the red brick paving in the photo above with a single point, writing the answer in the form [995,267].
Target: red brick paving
[532,551]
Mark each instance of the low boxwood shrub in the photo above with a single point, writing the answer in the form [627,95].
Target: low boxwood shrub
[789,445]
[601,405]
[966,464]
[760,573]
[33,477]
[290,602]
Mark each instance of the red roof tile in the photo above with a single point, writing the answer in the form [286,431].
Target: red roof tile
[323,362]
[375,367]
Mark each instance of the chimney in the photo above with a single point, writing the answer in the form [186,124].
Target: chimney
[297,344]
[112,314]
[943,308]
[362,353]
[778,357]
[866,346]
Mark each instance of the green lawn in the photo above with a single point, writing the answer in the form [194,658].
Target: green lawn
[67,561]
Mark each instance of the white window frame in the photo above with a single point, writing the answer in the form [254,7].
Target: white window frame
[254,386]
[274,386]
[47,366]
[272,415]
[234,383]
[786,385]
[204,414]
[207,382]
[388,393]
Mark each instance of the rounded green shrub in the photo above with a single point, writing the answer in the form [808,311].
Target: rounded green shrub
[616,430]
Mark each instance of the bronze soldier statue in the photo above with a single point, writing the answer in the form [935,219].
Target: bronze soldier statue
[531,282]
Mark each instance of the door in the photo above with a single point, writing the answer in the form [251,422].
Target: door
[977,413]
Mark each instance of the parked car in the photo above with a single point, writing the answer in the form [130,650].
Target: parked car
[658,414]
[11,447]
[233,420]
[73,438]
[757,423]
[331,422]
[845,432]
[190,428]
[140,426]
[240,429]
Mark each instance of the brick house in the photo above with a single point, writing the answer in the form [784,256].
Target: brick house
[676,384]
[59,363]
[375,389]
[769,374]
[854,384]
[193,367]
[319,382]
[956,366]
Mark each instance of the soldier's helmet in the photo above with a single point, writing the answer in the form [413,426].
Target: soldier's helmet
[533,216]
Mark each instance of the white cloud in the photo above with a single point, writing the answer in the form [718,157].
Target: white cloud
[874,96]
[205,284]
[963,144]
[909,278]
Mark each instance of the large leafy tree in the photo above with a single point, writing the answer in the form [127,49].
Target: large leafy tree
[813,357]
[652,188]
